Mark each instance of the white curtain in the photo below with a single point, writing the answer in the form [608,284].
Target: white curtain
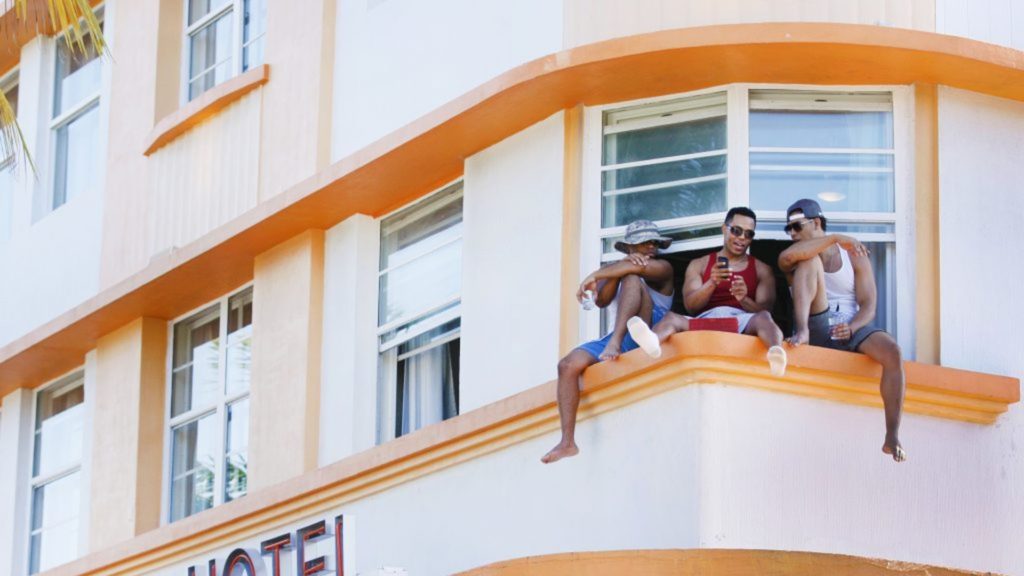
[427,389]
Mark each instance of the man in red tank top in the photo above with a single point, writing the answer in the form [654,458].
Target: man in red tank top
[728,283]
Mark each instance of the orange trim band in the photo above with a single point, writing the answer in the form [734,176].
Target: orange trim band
[206,105]
[423,155]
[705,562]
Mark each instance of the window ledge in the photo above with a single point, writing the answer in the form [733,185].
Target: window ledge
[206,105]
[693,358]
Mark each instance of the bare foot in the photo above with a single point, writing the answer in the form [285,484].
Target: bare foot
[611,352]
[560,451]
[800,337]
[892,446]
[777,360]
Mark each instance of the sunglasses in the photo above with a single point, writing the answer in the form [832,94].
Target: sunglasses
[797,226]
[741,232]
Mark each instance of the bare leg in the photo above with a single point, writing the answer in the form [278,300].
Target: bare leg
[762,326]
[569,370]
[633,300]
[670,324]
[809,297]
[882,348]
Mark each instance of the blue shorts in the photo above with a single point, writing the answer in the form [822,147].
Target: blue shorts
[595,347]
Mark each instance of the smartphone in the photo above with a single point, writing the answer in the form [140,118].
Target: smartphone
[723,261]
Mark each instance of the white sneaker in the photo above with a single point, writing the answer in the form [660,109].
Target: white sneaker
[777,360]
[644,337]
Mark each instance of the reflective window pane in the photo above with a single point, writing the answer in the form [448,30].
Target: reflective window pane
[196,370]
[211,51]
[663,141]
[665,203]
[77,156]
[661,173]
[820,129]
[236,480]
[421,251]
[836,192]
[199,8]
[60,411]
[427,379]
[54,534]
[78,76]
[254,27]
[193,466]
[239,351]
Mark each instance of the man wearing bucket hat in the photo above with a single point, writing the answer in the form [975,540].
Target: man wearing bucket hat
[640,285]
[831,275]
[727,290]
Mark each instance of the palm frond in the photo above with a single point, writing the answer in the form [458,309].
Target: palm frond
[78,21]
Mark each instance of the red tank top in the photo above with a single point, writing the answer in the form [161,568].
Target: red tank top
[721,295]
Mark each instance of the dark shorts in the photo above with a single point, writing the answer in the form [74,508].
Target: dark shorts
[595,347]
[818,325]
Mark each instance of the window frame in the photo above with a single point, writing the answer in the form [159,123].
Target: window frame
[10,80]
[439,314]
[901,263]
[218,406]
[36,481]
[89,103]
[238,43]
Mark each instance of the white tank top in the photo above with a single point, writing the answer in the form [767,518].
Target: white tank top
[840,286]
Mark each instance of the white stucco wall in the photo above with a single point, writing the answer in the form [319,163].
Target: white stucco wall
[511,264]
[980,207]
[994,21]
[50,262]
[348,386]
[396,60]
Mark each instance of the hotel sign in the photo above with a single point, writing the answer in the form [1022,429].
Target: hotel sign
[269,559]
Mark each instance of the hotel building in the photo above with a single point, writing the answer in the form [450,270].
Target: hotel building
[286,291]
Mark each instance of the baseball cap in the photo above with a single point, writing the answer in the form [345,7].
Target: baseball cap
[804,208]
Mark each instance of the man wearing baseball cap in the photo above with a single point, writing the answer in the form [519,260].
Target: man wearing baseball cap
[640,284]
[831,275]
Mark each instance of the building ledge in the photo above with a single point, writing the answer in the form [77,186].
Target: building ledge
[206,105]
[695,358]
[705,561]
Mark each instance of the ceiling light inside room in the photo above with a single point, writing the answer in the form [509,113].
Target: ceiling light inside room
[831,196]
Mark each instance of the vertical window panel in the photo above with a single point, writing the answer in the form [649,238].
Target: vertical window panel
[196,372]
[193,467]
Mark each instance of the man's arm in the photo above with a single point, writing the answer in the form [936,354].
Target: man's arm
[807,249]
[697,292]
[867,293]
[605,280]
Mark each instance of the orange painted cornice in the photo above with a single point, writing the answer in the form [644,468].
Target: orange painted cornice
[689,359]
[430,151]
[706,562]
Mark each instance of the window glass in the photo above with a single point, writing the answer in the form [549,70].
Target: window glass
[427,379]
[78,76]
[806,145]
[254,27]
[197,9]
[420,287]
[60,411]
[77,161]
[421,258]
[236,479]
[211,50]
[664,161]
[209,416]
[239,351]
[196,371]
[54,533]
[193,466]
